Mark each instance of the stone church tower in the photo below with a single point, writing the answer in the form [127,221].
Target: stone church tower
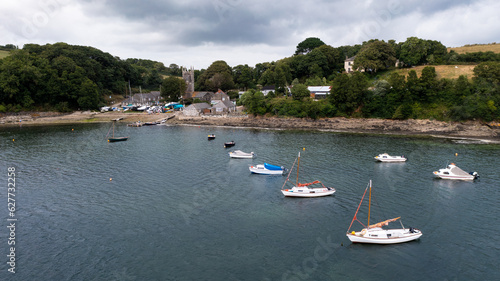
[188,76]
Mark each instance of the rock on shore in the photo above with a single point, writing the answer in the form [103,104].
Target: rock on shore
[360,125]
[469,129]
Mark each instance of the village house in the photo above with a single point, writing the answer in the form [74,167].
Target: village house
[203,96]
[267,89]
[196,109]
[219,96]
[348,64]
[319,92]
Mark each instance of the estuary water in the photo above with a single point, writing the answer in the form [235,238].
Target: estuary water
[170,205]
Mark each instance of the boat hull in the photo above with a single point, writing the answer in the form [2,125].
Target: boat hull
[389,158]
[229,144]
[263,171]
[396,236]
[452,172]
[308,192]
[241,154]
[117,139]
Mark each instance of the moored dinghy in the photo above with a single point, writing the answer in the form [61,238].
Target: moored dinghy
[267,169]
[241,154]
[375,234]
[229,144]
[116,139]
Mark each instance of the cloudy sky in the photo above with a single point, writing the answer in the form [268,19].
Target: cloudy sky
[199,32]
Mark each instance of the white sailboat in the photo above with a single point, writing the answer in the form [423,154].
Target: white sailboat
[375,234]
[305,189]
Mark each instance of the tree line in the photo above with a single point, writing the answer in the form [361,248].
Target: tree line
[393,97]
[66,77]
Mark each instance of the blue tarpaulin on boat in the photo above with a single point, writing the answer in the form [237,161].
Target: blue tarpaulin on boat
[272,167]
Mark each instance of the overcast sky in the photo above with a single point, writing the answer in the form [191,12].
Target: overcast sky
[197,33]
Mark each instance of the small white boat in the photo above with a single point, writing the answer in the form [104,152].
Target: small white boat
[267,169]
[452,172]
[384,157]
[375,234]
[241,154]
[305,189]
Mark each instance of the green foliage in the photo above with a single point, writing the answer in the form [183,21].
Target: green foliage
[217,76]
[300,92]
[172,88]
[348,92]
[254,102]
[374,56]
[308,45]
[243,76]
[403,111]
[278,75]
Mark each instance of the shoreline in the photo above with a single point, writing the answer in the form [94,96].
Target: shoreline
[411,127]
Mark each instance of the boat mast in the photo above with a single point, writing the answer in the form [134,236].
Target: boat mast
[298,164]
[369,204]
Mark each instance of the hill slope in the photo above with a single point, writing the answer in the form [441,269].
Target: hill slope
[4,54]
[493,47]
[443,71]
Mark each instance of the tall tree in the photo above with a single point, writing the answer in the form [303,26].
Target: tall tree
[172,88]
[414,51]
[300,92]
[218,75]
[374,56]
[348,92]
[308,45]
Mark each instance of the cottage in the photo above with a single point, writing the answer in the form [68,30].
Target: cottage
[195,109]
[203,96]
[348,64]
[219,96]
[267,89]
[223,107]
[319,92]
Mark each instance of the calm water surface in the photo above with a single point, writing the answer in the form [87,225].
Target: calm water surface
[169,205]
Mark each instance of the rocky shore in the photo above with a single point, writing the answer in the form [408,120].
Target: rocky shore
[469,129]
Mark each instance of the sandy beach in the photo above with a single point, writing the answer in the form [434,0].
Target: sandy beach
[469,129]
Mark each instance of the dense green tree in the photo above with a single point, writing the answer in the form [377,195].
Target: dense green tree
[19,79]
[308,45]
[374,56]
[172,88]
[414,51]
[348,92]
[254,102]
[217,76]
[300,92]
[278,75]
[243,76]
[428,84]
[413,86]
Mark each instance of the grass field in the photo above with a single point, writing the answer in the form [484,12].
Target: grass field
[495,48]
[443,71]
[4,54]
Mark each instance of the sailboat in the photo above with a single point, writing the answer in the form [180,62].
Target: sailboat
[305,189]
[116,139]
[375,234]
